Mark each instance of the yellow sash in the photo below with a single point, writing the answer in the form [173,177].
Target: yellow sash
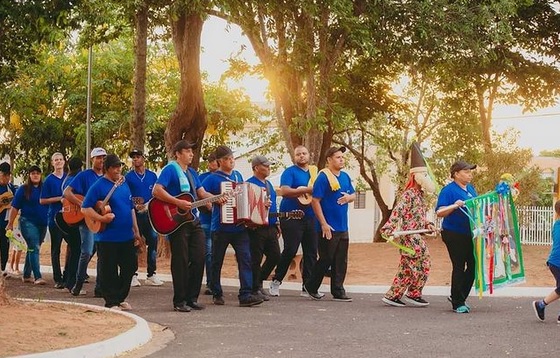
[313,175]
[333,180]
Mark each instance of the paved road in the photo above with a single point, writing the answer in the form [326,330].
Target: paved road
[292,326]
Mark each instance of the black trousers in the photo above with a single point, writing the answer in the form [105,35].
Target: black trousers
[4,246]
[116,263]
[264,241]
[294,233]
[72,239]
[461,252]
[333,253]
[187,262]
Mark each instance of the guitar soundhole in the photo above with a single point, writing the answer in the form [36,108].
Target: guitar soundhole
[181,211]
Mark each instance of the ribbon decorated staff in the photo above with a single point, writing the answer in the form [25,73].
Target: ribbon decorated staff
[395,234]
[497,246]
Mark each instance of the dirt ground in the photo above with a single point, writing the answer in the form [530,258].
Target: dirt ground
[369,264]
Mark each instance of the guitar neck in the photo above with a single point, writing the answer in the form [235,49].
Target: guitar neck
[209,200]
[110,193]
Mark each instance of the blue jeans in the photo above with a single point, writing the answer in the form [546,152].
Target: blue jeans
[34,235]
[208,253]
[86,253]
[151,238]
[240,243]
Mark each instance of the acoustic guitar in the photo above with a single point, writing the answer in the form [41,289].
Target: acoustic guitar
[166,218]
[102,208]
[72,213]
[294,214]
[6,200]
[139,204]
[304,199]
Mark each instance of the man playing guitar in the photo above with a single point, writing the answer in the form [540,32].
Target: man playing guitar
[294,182]
[141,182]
[116,251]
[7,191]
[79,186]
[187,242]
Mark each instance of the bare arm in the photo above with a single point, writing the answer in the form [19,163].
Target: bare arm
[71,197]
[446,210]
[94,215]
[160,193]
[290,192]
[12,218]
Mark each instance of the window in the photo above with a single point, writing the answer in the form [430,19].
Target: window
[360,202]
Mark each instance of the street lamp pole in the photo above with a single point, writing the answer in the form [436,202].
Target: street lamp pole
[88,107]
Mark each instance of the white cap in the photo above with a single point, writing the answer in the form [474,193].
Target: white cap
[96,152]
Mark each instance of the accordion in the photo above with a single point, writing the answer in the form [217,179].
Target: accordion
[247,206]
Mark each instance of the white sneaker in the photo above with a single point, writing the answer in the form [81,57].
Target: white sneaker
[305,294]
[153,281]
[125,306]
[135,282]
[274,289]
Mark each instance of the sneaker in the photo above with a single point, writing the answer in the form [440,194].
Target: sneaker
[314,295]
[218,300]
[125,306]
[305,294]
[261,294]
[81,293]
[416,301]
[342,298]
[395,302]
[135,282]
[27,279]
[461,309]
[465,303]
[274,289]
[538,307]
[208,291]
[77,289]
[181,308]
[40,282]
[152,281]
[250,301]
[196,306]
[59,285]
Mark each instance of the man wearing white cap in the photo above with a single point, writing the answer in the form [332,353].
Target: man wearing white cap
[75,193]
[409,214]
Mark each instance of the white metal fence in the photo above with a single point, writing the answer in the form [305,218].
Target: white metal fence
[535,224]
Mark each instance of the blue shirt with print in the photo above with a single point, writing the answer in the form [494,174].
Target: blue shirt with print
[205,215]
[141,185]
[30,208]
[120,229]
[52,187]
[335,214]
[83,181]
[295,177]
[457,221]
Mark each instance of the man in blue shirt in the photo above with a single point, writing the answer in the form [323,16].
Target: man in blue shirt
[187,240]
[74,193]
[264,239]
[226,234]
[456,232]
[51,195]
[116,251]
[296,185]
[206,222]
[141,182]
[332,192]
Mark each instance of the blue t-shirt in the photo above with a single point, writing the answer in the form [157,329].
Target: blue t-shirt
[554,256]
[212,184]
[169,180]
[272,196]
[83,181]
[120,229]
[31,209]
[205,215]
[295,177]
[335,214]
[457,221]
[141,185]
[52,187]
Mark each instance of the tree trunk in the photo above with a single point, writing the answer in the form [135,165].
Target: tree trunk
[189,118]
[140,64]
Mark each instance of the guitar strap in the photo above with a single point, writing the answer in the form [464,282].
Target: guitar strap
[191,181]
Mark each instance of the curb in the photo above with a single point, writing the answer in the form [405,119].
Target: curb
[135,337]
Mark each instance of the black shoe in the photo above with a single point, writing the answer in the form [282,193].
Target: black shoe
[416,301]
[250,301]
[196,306]
[208,292]
[342,298]
[218,300]
[538,307]
[314,295]
[181,308]
[59,285]
[260,294]
[75,291]
[395,302]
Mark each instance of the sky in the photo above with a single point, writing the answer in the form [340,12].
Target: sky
[538,131]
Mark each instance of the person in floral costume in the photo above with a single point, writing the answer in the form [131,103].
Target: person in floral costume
[410,214]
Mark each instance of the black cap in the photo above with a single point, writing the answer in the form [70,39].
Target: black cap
[210,157]
[461,165]
[260,160]
[222,151]
[112,160]
[136,152]
[183,144]
[75,163]
[34,168]
[333,150]
[5,168]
